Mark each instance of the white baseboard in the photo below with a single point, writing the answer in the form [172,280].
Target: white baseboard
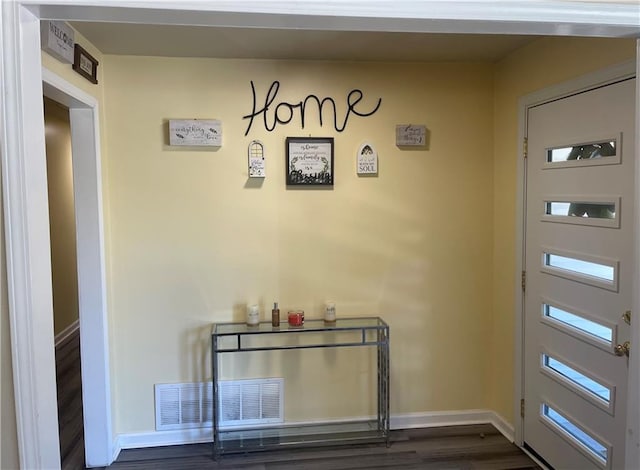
[116,449]
[164,438]
[502,425]
[400,421]
[440,418]
[65,334]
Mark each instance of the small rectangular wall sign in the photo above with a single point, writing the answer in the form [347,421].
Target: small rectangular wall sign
[85,64]
[195,132]
[57,39]
[410,135]
[367,159]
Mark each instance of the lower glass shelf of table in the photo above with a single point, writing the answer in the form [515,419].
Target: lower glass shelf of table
[240,441]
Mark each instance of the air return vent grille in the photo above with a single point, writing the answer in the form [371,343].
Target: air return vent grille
[242,403]
[180,406]
[250,402]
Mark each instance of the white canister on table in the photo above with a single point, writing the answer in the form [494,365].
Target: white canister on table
[253,315]
[330,312]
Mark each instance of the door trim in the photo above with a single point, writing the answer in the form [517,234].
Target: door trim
[632,448]
[581,84]
[94,341]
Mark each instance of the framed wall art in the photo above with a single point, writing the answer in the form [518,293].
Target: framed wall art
[309,161]
[85,64]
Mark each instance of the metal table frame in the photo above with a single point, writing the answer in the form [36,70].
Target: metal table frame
[373,332]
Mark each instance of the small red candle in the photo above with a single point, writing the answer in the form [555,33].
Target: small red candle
[296,318]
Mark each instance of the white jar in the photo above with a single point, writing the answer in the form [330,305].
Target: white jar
[330,312]
[253,315]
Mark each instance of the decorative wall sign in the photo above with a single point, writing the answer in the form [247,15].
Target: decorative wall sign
[256,159]
[284,112]
[309,160]
[367,159]
[57,38]
[411,135]
[195,132]
[85,64]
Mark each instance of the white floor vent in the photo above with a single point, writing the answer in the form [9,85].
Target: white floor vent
[242,403]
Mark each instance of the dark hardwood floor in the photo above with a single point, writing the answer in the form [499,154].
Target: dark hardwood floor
[447,448]
[69,386]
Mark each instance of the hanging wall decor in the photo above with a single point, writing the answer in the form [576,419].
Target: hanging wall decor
[411,135]
[85,64]
[57,39]
[195,132]
[309,160]
[367,159]
[275,112]
[256,159]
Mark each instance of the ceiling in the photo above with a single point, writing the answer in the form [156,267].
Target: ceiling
[263,43]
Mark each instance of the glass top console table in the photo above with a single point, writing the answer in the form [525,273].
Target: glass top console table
[229,338]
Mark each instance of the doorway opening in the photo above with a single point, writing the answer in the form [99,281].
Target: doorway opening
[91,284]
[64,279]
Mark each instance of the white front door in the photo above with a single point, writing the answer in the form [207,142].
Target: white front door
[579,268]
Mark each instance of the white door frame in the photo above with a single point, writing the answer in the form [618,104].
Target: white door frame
[94,341]
[23,156]
[28,255]
[562,90]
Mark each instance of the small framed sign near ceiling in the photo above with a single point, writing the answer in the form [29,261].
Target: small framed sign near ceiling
[85,64]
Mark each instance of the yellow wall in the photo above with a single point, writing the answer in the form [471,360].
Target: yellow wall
[61,215]
[541,64]
[193,240]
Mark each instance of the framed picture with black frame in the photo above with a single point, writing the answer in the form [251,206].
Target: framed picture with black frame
[309,161]
[85,64]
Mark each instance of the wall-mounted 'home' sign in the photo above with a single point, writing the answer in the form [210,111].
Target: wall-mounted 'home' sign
[196,132]
[411,135]
[283,112]
[57,38]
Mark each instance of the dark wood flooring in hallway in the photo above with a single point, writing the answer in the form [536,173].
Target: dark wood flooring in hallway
[69,388]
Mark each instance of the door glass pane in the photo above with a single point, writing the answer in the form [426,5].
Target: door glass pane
[582,152]
[581,209]
[578,323]
[572,431]
[577,378]
[580,266]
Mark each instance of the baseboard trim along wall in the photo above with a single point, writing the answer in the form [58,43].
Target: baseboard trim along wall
[402,421]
